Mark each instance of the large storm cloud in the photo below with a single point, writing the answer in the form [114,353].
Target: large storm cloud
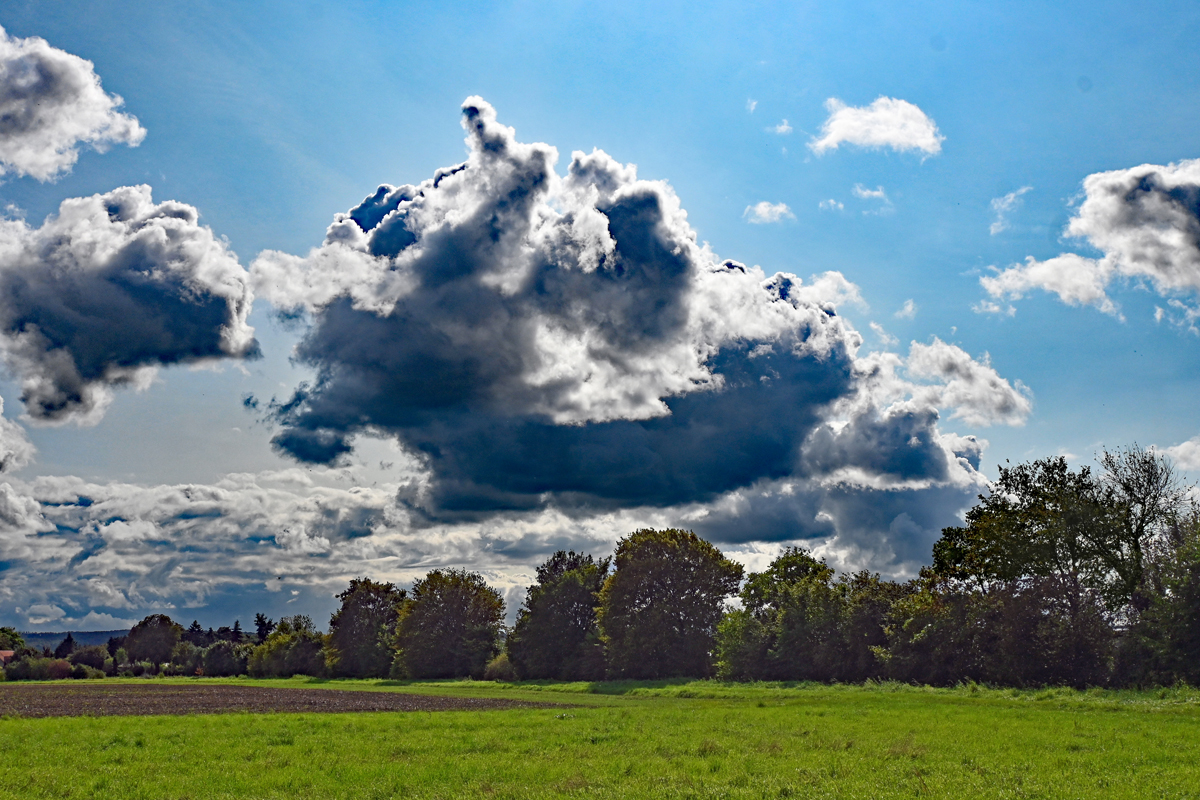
[539,339]
[108,289]
[50,102]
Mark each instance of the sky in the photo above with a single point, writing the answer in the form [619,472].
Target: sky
[294,293]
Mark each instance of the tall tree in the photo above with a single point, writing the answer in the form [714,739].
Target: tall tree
[556,634]
[449,626]
[65,647]
[263,625]
[1146,496]
[659,610]
[153,639]
[362,629]
[195,635]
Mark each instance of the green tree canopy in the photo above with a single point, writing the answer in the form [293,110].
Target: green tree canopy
[1042,519]
[153,639]
[10,639]
[449,626]
[556,635]
[798,623]
[362,629]
[295,647]
[659,610]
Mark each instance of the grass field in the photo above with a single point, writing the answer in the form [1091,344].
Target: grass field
[697,739]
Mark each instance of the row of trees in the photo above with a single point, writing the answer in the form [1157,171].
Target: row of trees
[1057,577]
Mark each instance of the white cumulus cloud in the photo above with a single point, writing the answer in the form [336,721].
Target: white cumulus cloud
[887,122]
[1145,221]
[50,102]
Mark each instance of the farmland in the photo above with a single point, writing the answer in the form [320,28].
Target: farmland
[685,739]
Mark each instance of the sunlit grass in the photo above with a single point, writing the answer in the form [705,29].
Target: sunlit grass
[682,739]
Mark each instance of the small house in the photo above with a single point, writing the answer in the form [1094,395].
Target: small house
[6,656]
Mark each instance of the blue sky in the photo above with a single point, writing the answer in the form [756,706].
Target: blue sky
[269,119]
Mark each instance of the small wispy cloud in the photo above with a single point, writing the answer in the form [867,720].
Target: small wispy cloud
[760,213]
[884,337]
[751,105]
[831,205]
[1003,206]
[866,194]
[988,307]
[783,128]
[907,311]
[863,193]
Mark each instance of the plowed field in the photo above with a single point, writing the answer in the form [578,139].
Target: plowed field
[95,699]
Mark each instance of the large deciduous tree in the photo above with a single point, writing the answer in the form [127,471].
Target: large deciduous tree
[153,639]
[448,627]
[362,629]
[556,635]
[659,610]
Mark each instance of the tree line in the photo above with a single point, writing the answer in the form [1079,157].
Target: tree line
[1057,577]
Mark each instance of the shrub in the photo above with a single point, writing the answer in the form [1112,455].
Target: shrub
[500,669]
[294,648]
[38,669]
[84,672]
[225,659]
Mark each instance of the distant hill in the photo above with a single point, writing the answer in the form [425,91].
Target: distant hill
[82,638]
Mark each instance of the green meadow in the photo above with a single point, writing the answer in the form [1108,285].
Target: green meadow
[662,740]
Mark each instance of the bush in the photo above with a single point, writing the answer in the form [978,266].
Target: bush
[38,669]
[294,648]
[226,659]
[84,672]
[186,659]
[500,669]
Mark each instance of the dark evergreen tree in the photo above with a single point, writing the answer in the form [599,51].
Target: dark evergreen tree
[65,647]
[263,625]
[195,635]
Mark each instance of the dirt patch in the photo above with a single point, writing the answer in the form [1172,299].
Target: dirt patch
[98,700]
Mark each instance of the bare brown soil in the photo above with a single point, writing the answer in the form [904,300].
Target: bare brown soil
[96,699]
